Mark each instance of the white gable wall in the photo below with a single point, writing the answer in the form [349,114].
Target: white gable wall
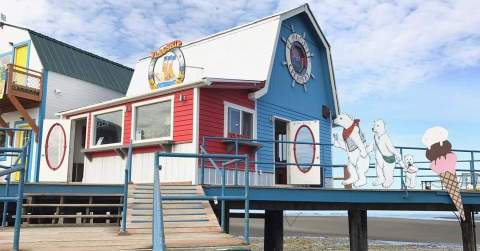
[13,35]
[65,93]
[240,53]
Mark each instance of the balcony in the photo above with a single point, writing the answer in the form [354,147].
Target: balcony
[20,89]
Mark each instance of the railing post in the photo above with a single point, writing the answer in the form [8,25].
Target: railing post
[472,171]
[202,164]
[5,204]
[246,224]
[222,213]
[402,181]
[158,235]
[18,211]
[129,161]
[127,180]
[236,164]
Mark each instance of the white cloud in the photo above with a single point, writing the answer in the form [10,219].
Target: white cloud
[382,47]
[379,47]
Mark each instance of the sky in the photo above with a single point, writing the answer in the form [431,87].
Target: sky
[414,64]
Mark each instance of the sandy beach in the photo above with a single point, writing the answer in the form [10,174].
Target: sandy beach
[331,233]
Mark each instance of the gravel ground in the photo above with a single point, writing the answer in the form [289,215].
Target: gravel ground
[336,243]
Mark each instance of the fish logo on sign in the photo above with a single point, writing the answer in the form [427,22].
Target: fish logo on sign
[167,66]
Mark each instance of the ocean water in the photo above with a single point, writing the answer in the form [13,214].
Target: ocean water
[414,215]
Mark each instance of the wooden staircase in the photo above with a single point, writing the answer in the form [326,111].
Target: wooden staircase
[189,225]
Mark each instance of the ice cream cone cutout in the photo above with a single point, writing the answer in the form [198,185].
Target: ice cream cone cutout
[443,162]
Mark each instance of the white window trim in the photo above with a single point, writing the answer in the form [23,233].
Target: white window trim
[170,98]
[227,105]
[92,127]
[81,116]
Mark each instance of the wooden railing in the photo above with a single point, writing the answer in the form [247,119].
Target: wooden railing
[23,82]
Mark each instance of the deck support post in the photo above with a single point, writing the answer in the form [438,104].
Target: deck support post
[357,223]
[468,231]
[273,230]
[226,226]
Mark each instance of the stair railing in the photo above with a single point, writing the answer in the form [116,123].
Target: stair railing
[158,233]
[127,180]
[19,166]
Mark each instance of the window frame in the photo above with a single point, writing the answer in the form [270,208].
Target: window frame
[242,109]
[93,132]
[170,98]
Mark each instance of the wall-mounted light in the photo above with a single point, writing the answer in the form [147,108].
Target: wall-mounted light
[182,97]
[57,91]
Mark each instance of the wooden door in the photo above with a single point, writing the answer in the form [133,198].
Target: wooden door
[21,59]
[55,150]
[306,157]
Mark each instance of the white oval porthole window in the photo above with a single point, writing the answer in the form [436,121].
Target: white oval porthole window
[304,150]
[55,146]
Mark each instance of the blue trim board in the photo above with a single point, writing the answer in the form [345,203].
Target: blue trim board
[65,189]
[345,197]
[41,118]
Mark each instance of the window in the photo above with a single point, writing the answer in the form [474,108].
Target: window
[108,128]
[239,122]
[153,121]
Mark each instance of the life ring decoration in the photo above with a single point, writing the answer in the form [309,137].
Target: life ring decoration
[298,59]
[55,146]
[304,154]
[167,66]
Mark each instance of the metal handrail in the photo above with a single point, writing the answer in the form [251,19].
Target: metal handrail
[158,234]
[401,149]
[18,166]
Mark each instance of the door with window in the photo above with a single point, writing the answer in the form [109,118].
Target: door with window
[55,150]
[304,153]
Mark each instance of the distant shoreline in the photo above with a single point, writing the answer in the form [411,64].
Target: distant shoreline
[380,229]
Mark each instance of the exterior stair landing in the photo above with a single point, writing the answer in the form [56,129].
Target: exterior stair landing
[188,225]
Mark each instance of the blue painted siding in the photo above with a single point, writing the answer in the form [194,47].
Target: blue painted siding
[294,103]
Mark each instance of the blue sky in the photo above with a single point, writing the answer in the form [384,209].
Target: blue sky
[414,64]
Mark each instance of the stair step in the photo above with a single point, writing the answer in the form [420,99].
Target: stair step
[214,229]
[149,206]
[142,212]
[175,224]
[168,218]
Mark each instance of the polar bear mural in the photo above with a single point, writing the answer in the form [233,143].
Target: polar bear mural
[354,144]
[385,154]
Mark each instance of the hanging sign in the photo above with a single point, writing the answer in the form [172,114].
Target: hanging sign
[167,66]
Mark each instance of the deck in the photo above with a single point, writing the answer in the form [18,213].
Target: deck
[303,198]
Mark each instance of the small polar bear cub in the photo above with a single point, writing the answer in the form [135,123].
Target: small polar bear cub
[410,171]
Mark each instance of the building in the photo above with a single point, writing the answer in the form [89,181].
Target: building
[41,76]
[271,79]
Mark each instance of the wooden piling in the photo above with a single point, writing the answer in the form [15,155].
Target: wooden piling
[273,230]
[468,232]
[357,223]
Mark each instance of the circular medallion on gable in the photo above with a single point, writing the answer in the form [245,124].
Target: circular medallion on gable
[167,66]
[297,56]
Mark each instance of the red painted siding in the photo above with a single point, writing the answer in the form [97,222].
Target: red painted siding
[211,116]
[182,120]
[183,117]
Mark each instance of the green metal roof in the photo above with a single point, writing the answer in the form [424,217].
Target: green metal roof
[68,60]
